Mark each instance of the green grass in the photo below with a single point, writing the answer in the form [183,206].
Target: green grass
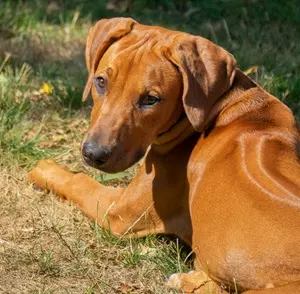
[50,247]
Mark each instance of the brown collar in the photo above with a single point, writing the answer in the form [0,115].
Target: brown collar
[177,133]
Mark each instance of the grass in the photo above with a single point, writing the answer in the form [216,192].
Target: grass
[47,246]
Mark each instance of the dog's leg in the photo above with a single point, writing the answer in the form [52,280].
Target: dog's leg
[152,203]
[110,207]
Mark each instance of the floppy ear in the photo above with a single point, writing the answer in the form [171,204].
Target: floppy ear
[207,72]
[100,37]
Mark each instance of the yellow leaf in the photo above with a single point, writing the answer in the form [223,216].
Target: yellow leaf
[46,89]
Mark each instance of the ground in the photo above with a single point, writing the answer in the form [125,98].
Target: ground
[46,244]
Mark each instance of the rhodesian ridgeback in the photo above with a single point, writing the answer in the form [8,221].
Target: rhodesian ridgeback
[222,168]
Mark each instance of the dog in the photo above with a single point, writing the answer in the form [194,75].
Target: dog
[222,167]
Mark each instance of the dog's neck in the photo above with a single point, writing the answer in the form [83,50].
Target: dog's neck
[176,134]
[233,103]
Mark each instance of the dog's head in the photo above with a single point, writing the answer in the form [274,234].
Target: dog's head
[142,79]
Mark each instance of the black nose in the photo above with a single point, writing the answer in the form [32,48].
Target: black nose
[94,153]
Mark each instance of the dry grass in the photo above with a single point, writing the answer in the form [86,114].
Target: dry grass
[48,246]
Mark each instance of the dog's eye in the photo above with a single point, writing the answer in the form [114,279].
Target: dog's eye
[100,85]
[149,101]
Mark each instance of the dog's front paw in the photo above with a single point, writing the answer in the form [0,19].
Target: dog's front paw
[47,174]
[181,282]
[193,282]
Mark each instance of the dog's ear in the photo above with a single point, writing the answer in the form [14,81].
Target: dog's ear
[207,72]
[100,37]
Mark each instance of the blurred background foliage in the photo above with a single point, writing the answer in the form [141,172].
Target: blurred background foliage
[262,33]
